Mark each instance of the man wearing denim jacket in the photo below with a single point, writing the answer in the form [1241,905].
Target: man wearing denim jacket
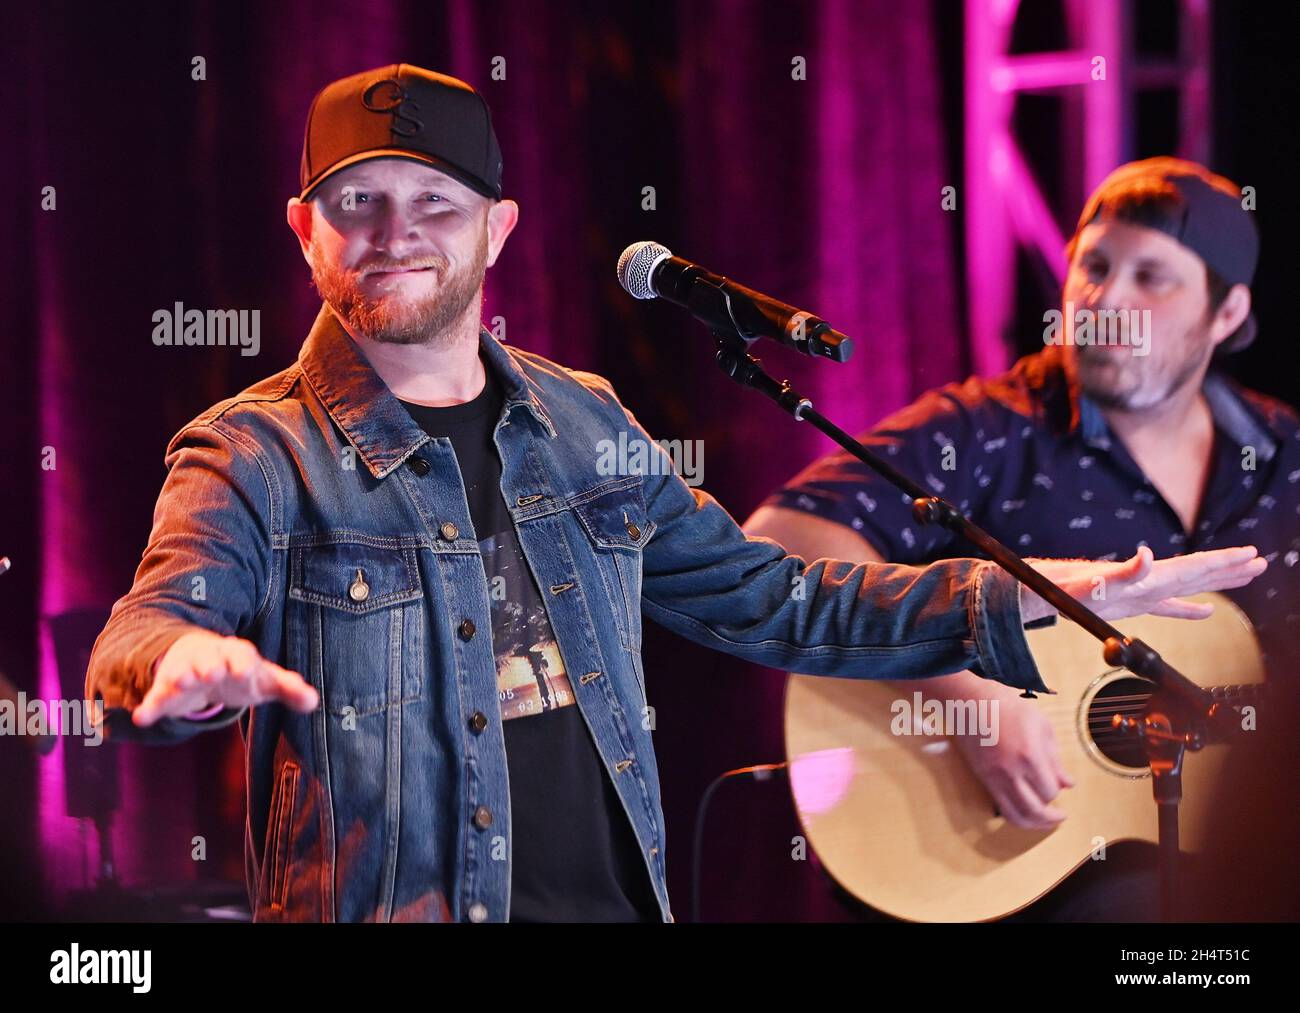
[399,567]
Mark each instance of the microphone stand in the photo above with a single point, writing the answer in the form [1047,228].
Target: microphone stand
[1177,717]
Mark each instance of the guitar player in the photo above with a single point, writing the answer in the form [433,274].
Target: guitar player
[1090,450]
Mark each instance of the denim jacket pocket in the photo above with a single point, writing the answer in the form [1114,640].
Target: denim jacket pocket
[280,831]
[361,603]
[614,518]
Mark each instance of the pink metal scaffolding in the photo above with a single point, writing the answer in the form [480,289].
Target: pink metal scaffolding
[1005,208]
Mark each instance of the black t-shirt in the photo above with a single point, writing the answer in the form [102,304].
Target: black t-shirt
[574,854]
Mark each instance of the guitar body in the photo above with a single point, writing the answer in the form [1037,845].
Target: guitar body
[900,821]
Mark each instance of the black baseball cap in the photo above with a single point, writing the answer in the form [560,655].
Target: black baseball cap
[402,111]
[1208,217]
[1213,224]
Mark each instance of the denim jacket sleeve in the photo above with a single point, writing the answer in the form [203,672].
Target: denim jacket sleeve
[706,580]
[208,565]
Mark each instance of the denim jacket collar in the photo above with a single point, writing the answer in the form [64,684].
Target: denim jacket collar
[363,406]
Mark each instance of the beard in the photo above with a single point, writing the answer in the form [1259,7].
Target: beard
[394,317]
[1122,381]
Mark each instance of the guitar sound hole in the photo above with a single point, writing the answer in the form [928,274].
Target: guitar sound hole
[1125,696]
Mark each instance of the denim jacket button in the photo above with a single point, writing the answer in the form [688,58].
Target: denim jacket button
[478,721]
[420,466]
[633,530]
[482,817]
[477,912]
[449,531]
[467,629]
[360,590]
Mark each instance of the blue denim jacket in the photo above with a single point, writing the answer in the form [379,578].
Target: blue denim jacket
[390,802]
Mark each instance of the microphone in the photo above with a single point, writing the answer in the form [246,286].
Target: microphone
[648,270]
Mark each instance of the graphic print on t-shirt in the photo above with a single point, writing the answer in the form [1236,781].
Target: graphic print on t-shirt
[531,678]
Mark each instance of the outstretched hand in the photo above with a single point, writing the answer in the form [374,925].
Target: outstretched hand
[1144,584]
[203,668]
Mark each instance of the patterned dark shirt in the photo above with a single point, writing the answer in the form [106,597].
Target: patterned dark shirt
[1033,461]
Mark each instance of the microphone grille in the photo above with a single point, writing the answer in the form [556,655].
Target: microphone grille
[635,266]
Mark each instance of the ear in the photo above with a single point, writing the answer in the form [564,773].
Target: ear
[502,218]
[1231,314]
[299,214]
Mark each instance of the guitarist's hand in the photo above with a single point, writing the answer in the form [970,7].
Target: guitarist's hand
[1023,770]
[1146,584]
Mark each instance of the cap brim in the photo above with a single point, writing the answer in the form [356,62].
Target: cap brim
[476,185]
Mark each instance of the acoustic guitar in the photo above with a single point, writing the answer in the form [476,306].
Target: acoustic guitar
[899,820]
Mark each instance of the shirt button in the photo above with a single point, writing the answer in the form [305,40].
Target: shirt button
[449,531]
[467,629]
[419,465]
[477,912]
[478,721]
[633,530]
[482,817]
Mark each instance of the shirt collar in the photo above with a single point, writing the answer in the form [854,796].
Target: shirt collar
[364,408]
[1229,411]
[1237,421]
[1085,417]
[1093,429]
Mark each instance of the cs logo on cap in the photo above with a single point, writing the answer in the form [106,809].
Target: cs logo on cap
[399,103]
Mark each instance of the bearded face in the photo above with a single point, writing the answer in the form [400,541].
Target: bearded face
[405,301]
[398,250]
[1131,269]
